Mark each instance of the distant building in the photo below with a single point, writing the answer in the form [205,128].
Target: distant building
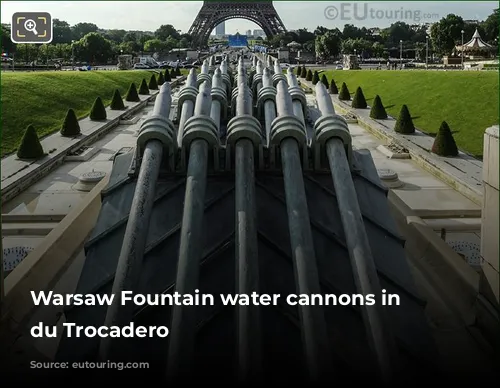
[220,30]
[249,32]
[259,33]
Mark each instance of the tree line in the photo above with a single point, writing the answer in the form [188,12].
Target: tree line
[85,42]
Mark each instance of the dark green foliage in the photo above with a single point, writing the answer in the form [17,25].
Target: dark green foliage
[161,79]
[70,125]
[98,111]
[303,73]
[30,147]
[309,76]
[444,143]
[333,87]
[153,85]
[132,95]
[168,78]
[378,111]
[117,101]
[404,124]
[344,94]
[143,89]
[315,78]
[179,72]
[324,81]
[359,101]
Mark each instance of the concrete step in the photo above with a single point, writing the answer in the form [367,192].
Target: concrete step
[28,228]
[455,224]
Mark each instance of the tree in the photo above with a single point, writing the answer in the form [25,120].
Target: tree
[79,30]
[446,33]
[30,147]
[309,76]
[333,87]
[165,31]
[444,143]
[93,47]
[315,78]
[490,26]
[98,111]
[132,95]
[344,94]
[404,123]
[154,45]
[161,79]
[7,45]
[153,85]
[378,111]
[70,126]
[115,35]
[328,45]
[324,81]
[359,101]
[143,89]
[61,32]
[117,101]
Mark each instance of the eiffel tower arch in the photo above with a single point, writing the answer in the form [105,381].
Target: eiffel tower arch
[213,13]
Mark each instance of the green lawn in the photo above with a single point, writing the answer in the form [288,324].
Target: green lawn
[42,98]
[467,101]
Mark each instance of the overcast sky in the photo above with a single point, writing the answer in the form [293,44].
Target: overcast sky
[149,15]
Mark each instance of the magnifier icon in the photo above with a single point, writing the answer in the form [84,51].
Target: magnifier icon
[30,26]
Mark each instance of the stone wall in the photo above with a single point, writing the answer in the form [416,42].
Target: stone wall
[490,213]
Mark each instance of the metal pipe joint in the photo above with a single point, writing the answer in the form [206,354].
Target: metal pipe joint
[159,126]
[219,92]
[201,125]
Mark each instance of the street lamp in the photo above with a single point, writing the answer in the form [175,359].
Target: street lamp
[400,54]
[426,51]
[462,48]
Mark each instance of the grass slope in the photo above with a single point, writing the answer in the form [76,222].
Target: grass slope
[43,98]
[467,101]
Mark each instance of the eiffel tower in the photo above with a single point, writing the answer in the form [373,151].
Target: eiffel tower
[213,13]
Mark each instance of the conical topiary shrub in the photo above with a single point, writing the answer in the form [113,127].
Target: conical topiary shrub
[309,76]
[359,101]
[303,73]
[344,94]
[70,125]
[153,85]
[161,79]
[404,124]
[168,78]
[315,79]
[117,101]
[98,111]
[324,81]
[178,72]
[333,87]
[378,111]
[444,143]
[143,89]
[132,95]
[30,147]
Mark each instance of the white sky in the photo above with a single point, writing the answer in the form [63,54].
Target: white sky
[149,15]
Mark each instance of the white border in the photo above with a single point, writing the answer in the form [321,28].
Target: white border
[19,42]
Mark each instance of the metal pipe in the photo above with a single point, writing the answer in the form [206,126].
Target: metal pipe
[269,106]
[315,335]
[183,327]
[129,265]
[298,109]
[187,108]
[380,338]
[249,325]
